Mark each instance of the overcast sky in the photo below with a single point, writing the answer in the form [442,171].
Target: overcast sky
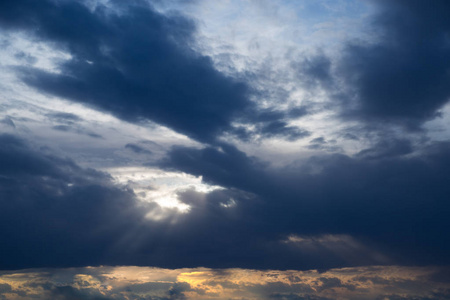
[250,134]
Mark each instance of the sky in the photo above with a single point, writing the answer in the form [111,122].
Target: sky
[235,149]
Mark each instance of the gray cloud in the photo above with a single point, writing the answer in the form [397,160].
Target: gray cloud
[378,195]
[401,78]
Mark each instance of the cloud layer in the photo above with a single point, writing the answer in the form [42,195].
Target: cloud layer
[200,283]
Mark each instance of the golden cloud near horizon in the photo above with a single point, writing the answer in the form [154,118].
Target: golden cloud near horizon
[374,282]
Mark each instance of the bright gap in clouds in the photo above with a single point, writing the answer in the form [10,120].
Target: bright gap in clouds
[90,137]
[161,187]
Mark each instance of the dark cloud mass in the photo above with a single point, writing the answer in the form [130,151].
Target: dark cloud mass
[404,76]
[380,196]
[54,213]
[132,62]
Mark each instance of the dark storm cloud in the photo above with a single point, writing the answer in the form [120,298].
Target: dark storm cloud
[55,214]
[394,203]
[226,165]
[404,76]
[132,62]
[331,211]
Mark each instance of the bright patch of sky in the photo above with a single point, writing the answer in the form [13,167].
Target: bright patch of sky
[265,40]
[162,187]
